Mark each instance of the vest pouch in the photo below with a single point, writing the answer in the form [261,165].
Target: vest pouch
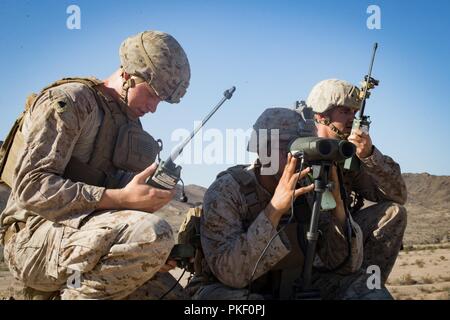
[10,152]
[135,149]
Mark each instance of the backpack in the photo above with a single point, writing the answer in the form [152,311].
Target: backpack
[188,246]
[13,145]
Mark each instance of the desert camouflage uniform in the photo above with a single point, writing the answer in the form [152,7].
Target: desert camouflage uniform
[383,224]
[379,181]
[115,252]
[233,238]
[232,243]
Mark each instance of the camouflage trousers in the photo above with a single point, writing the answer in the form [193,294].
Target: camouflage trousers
[113,255]
[330,286]
[383,226]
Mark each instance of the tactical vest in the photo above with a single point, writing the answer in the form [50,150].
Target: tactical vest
[120,144]
[279,281]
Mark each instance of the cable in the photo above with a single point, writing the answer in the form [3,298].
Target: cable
[183,197]
[173,287]
[274,236]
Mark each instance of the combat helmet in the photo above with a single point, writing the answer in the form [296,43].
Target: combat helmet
[158,59]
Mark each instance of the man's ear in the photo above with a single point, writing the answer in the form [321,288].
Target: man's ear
[322,118]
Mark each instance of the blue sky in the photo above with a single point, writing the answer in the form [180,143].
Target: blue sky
[272,51]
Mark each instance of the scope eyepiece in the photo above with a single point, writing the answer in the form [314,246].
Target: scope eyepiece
[346,149]
[317,149]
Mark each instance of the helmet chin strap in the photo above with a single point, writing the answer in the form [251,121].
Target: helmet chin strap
[126,85]
[326,122]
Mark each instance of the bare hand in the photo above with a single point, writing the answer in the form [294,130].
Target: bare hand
[138,195]
[281,200]
[362,142]
[170,264]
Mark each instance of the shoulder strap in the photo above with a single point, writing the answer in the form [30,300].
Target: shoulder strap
[90,82]
[247,186]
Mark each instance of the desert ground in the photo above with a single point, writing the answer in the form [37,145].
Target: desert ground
[421,272]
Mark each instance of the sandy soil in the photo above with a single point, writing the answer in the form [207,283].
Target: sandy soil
[420,273]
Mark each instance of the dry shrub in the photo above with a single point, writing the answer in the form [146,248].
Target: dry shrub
[427,280]
[407,280]
[420,263]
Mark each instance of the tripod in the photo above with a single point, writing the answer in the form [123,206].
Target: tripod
[320,173]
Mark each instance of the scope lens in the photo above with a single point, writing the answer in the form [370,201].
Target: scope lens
[347,149]
[324,147]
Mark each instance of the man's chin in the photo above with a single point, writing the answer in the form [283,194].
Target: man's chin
[138,114]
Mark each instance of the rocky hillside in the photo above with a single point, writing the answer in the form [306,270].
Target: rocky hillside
[428,208]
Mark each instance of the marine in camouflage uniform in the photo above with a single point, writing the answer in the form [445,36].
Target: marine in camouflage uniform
[95,240]
[334,103]
[233,236]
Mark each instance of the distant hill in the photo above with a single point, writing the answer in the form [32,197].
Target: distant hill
[428,208]
[428,190]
